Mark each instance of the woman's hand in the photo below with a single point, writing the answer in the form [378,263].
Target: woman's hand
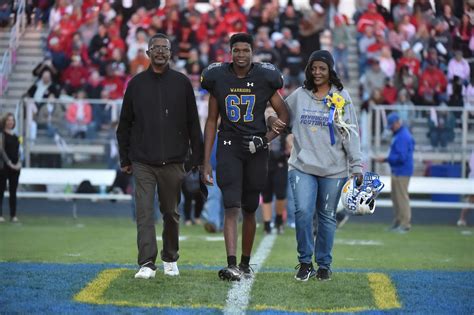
[278,126]
[359,178]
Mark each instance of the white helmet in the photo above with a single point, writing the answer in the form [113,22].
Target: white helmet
[360,200]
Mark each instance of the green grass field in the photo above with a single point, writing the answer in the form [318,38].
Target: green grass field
[374,270]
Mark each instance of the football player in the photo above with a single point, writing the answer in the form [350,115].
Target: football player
[240,91]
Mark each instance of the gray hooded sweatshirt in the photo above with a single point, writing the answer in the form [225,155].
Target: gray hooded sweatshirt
[312,152]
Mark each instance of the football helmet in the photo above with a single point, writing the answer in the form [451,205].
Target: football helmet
[360,200]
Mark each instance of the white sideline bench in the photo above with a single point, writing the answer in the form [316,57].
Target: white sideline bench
[432,185]
[68,176]
[99,177]
[73,177]
[95,149]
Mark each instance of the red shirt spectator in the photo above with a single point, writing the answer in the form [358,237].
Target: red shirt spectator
[390,92]
[76,74]
[198,27]
[172,23]
[409,60]
[374,50]
[432,81]
[82,119]
[233,16]
[54,43]
[67,27]
[145,18]
[79,48]
[115,42]
[79,115]
[186,39]
[371,17]
[113,84]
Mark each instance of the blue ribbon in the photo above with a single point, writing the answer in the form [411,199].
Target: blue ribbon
[331,124]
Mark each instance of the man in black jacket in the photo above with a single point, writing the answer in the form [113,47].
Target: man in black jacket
[158,123]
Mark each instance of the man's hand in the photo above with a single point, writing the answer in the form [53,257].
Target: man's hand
[206,174]
[359,178]
[126,169]
[254,144]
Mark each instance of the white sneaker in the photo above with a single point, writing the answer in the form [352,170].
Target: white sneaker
[2,219]
[170,268]
[15,220]
[145,273]
[461,223]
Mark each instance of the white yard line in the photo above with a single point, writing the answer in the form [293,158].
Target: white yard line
[214,238]
[181,238]
[358,242]
[239,295]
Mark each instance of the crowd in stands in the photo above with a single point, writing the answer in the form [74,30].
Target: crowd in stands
[408,54]
[417,55]
[94,48]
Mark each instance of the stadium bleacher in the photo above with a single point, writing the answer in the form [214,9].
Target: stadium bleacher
[53,44]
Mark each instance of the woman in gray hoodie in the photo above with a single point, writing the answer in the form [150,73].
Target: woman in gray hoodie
[326,151]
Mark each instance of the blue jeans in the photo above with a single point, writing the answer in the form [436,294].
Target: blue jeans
[310,191]
[290,206]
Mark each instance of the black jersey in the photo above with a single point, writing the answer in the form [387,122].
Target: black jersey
[242,101]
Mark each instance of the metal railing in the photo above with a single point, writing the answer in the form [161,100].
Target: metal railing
[61,138]
[9,57]
[375,136]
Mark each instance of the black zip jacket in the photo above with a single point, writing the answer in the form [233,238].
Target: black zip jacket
[159,120]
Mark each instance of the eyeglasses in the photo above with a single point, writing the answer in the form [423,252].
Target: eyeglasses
[159,49]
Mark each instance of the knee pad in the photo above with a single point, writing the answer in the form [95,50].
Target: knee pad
[231,203]
[267,198]
[250,201]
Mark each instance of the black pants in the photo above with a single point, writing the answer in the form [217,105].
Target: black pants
[12,176]
[168,179]
[188,204]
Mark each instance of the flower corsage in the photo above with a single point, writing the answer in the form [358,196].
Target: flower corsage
[336,104]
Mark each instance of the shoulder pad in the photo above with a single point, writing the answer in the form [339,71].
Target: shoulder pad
[209,75]
[268,66]
[214,65]
[272,75]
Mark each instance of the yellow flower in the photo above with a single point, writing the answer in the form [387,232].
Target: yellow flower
[338,101]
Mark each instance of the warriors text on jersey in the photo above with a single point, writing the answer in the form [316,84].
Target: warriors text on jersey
[242,101]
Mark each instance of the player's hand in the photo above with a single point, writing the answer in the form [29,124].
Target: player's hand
[278,126]
[206,174]
[126,169]
[359,178]
[254,144]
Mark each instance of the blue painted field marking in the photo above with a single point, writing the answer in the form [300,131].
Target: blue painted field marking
[50,288]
